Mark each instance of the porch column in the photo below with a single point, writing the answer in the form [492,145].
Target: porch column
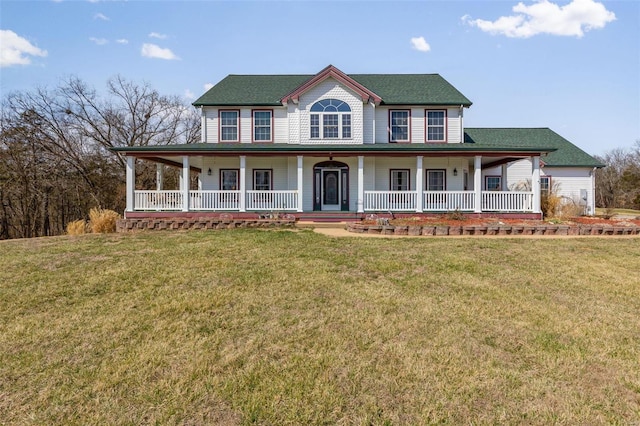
[360,201]
[159,176]
[131,183]
[535,183]
[477,183]
[185,183]
[419,183]
[243,183]
[300,157]
[503,173]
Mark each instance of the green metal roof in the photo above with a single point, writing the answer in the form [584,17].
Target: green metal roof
[394,89]
[565,154]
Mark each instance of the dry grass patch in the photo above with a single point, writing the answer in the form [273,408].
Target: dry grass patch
[242,327]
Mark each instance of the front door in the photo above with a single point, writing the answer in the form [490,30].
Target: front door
[330,186]
[331,189]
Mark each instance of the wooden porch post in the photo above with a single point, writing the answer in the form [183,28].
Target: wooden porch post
[419,183]
[300,158]
[535,183]
[477,183]
[185,183]
[243,183]
[360,201]
[131,183]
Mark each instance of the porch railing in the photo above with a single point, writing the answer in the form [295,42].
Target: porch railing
[507,201]
[448,201]
[389,200]
[158,200]
[214,200]
[439,201]
[272,200]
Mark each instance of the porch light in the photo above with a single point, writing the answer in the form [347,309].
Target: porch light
[455,171]
[209,171]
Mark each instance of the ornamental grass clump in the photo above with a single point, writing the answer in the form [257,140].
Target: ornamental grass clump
[102,221]
[77,227]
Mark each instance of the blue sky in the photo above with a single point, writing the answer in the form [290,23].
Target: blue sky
[571,65]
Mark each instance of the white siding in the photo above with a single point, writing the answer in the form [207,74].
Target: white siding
[367,122]
[453,183]
[211,123]
[245,125]
[280,125]
[570,181]
[331,89]
[418,123]
[382,125]
[454,122]
[383,171]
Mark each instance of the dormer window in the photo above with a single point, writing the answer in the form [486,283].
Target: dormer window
[330,119]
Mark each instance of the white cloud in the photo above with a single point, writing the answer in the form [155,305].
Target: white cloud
[208,86]
[122,41]
[153,51]
[544,17]
[158,35]
[419,43]
[101,17]
[189,94]
[99,41]
[15,50]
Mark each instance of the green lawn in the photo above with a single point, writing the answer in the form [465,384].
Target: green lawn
[282,327]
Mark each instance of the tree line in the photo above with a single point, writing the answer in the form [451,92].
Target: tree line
[618,184]
[55,163]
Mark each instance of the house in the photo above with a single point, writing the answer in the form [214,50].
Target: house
[338,144]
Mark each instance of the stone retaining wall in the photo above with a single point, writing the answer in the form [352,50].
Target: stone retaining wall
[437,230]
[124,225]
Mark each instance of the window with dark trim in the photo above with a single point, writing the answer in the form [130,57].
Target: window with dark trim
[262,129]
[399,180]
[229,179]
[229,126]
[545,185]
[436,127]
[493,183]
[262,179]
[399,125]
[436,180]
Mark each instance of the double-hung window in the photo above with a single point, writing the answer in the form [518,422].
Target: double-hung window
[436,128]
[493,183]
[262,125]
[262,179]
[545,185]
[330,119]
[229,179]
[399,125]
[435,180]
[400,180]
[229,126]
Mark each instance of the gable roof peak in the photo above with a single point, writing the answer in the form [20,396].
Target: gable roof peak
[331,71]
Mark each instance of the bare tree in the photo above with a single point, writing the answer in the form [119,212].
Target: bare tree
[618,184]
[54,159]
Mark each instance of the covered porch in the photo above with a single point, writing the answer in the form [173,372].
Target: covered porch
[356,184]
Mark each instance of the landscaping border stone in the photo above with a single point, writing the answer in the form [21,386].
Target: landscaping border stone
[445,230]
